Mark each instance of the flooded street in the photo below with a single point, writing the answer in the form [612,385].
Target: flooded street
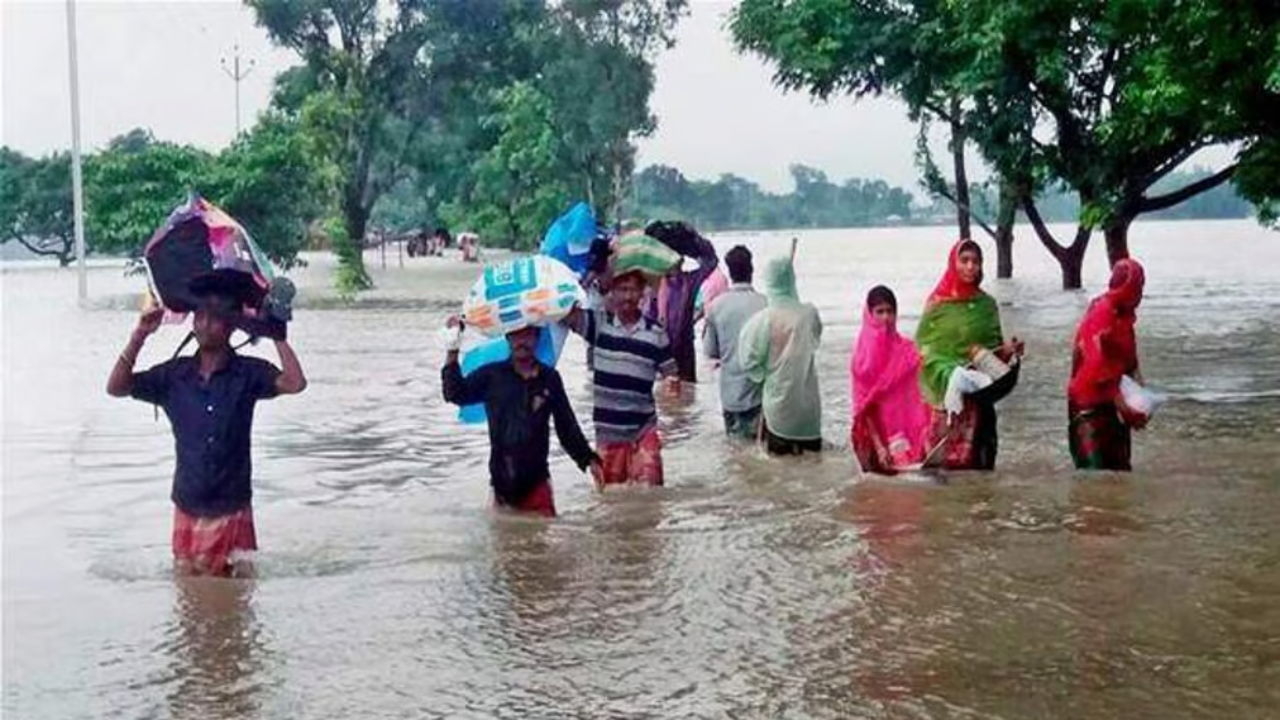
[748,588]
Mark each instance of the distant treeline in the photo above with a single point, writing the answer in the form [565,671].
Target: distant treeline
[736,203]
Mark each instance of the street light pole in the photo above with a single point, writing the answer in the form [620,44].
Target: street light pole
[234,72]
[77,178]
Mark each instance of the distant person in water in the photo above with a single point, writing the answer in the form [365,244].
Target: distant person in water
[1105,351]
[209,399]
[740,398]
[520,399]
[677,294]
[778,353]
[890,420]
[630,353]
[964,351]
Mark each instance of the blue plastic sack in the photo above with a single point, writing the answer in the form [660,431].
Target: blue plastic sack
[569,237]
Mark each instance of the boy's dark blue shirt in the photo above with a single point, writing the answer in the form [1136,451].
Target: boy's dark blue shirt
[212,424]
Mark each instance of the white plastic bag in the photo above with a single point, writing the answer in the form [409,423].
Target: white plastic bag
[963,381]
[1140,399]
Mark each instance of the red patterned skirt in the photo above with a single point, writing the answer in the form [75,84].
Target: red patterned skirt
[638,462]
[211,546]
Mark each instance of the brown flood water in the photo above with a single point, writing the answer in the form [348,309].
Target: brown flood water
[749,588]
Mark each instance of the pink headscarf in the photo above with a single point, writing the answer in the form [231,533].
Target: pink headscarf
[885,375]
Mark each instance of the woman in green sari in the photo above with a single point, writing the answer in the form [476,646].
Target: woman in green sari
[961,327]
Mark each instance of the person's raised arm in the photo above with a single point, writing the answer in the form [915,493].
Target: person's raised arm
[291,379]
[120,383]
[459,390]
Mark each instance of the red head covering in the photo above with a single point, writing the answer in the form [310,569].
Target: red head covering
[1127,282]
[1105,346]
[951,288]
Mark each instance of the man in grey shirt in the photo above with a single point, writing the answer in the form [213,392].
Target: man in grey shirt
[739,398]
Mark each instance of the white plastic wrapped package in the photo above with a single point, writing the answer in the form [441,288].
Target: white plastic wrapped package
[1140,399]
[525,292]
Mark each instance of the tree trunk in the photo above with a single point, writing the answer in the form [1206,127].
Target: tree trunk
[1117,234]
[962,177]
[352,275]
[1005,218]
[1072,261]
[1071,257]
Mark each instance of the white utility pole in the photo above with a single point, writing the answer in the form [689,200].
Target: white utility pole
[234,72]
[77,179]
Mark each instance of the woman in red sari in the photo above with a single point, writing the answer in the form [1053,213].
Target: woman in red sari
[890,418]
[1106,349]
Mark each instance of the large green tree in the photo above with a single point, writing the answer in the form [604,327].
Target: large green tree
[356,97]
[599,73]
[832,47]
[1105,96]
[35,204]
[1123,94]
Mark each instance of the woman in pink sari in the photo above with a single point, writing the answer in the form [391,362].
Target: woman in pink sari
[890,418]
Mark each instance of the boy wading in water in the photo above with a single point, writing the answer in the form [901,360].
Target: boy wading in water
[630,352]
[520,398]
[209,398]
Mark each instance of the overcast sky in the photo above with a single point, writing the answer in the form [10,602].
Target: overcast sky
[157,65]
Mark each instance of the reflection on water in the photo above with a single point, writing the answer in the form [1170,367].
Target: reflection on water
[215,650]
[750,587]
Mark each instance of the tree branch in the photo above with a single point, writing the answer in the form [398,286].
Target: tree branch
[1174,161]
[40,249]
[945,193]
[1042,230]
[1162,202]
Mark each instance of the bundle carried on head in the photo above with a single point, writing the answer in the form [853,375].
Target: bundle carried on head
[201,251]
[637,252]
[525,292]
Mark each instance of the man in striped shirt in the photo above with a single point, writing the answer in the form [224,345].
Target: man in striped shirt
[630,353]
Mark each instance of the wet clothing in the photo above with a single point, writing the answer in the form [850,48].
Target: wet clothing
[1105,350]
[633,463]
[677,298]
[209,546]
[887,409]
[1098,439]
[744,424]
[958,316]
[725,320]
[778,348]
[519,412]
[626,363]
[775,445]
[212,423]
[540,501]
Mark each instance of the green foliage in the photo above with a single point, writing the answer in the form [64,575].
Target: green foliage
[1108,98]
[133,185]
[36,205]
[518,189]
[351,99]
[272,182]
[266,180]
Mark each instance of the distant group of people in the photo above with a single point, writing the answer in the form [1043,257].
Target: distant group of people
[915,404]
[923,403]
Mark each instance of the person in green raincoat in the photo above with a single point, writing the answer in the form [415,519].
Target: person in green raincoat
[778,349]
[960,324]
